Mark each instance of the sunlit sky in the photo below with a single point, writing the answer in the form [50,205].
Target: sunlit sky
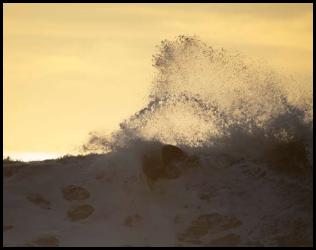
[70,69]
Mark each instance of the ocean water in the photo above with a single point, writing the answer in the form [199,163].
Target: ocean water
[206,99]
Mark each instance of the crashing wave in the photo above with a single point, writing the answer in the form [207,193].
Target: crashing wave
[204,98]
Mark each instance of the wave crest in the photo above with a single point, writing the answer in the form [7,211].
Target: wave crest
[214,100]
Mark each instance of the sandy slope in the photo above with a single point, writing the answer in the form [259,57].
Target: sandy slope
[105,201]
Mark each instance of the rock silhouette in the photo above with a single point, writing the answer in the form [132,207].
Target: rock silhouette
[165,163]
[73,192]
[80,212]
[38,200]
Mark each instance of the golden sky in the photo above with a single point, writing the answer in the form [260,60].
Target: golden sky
[73,68]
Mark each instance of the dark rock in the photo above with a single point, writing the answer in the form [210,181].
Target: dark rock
[80,212]
[73,192]
[164,163]
[44,241]
[38,200]
[172,154]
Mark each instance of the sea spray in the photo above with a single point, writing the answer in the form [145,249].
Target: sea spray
[219,101]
